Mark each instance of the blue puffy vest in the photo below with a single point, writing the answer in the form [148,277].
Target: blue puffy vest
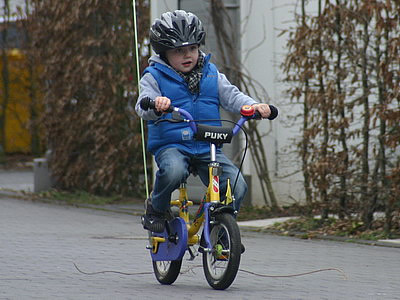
[202,106]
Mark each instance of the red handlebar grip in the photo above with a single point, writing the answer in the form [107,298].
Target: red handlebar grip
[247,111]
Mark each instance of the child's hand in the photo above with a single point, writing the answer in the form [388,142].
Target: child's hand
[162,104]
[263,109]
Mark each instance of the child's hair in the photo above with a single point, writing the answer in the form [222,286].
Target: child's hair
[176,29]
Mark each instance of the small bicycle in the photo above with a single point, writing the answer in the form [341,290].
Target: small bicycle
[220,242]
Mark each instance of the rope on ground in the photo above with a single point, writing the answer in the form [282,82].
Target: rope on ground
[298,274]
[116,272]
[191,268]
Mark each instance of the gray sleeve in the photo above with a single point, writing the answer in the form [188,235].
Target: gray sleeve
[148,88]
[230,97]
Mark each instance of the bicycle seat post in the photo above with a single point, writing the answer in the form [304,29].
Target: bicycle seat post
[213,152]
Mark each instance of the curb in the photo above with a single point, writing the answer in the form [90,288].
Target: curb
[28,197]
[305,236]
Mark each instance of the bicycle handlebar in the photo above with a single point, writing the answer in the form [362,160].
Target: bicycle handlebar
[247,113]
[146,104]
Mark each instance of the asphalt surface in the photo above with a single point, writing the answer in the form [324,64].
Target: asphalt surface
[43,245]
[40,244]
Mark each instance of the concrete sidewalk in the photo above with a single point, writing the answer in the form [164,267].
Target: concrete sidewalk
[17,183]
[16,180]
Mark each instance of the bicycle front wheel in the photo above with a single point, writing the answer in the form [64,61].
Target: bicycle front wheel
[167,272]
[221,264]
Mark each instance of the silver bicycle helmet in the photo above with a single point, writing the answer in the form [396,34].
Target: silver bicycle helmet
[176,29]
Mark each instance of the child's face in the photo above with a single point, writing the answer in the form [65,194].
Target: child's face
[183,59]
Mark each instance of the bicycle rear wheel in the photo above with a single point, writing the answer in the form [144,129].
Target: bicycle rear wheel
[222,263]
[167,272]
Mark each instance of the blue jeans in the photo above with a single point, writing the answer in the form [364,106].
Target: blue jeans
[173,169]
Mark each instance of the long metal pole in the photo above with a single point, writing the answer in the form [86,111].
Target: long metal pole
[137,77]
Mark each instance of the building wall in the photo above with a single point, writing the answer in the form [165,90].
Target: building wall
[262,22]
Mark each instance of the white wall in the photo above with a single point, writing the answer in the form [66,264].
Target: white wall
[160,6]
[262,54]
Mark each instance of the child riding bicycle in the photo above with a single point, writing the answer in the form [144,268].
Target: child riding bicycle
[182,75]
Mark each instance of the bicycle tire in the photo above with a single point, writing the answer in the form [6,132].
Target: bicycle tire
[222,263]
[167,272]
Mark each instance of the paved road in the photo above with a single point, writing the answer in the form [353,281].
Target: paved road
[39,244]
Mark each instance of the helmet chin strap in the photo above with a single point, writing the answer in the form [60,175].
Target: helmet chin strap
[163,56]
[138,87]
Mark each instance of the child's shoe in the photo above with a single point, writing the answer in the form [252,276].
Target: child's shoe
[153,220]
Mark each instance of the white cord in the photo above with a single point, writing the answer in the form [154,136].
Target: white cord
[137,77]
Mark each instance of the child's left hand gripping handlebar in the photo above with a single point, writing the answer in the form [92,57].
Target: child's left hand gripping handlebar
[249,112]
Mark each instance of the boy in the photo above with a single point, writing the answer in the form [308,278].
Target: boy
[181,75]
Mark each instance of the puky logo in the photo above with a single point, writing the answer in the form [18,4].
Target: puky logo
[216,135]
